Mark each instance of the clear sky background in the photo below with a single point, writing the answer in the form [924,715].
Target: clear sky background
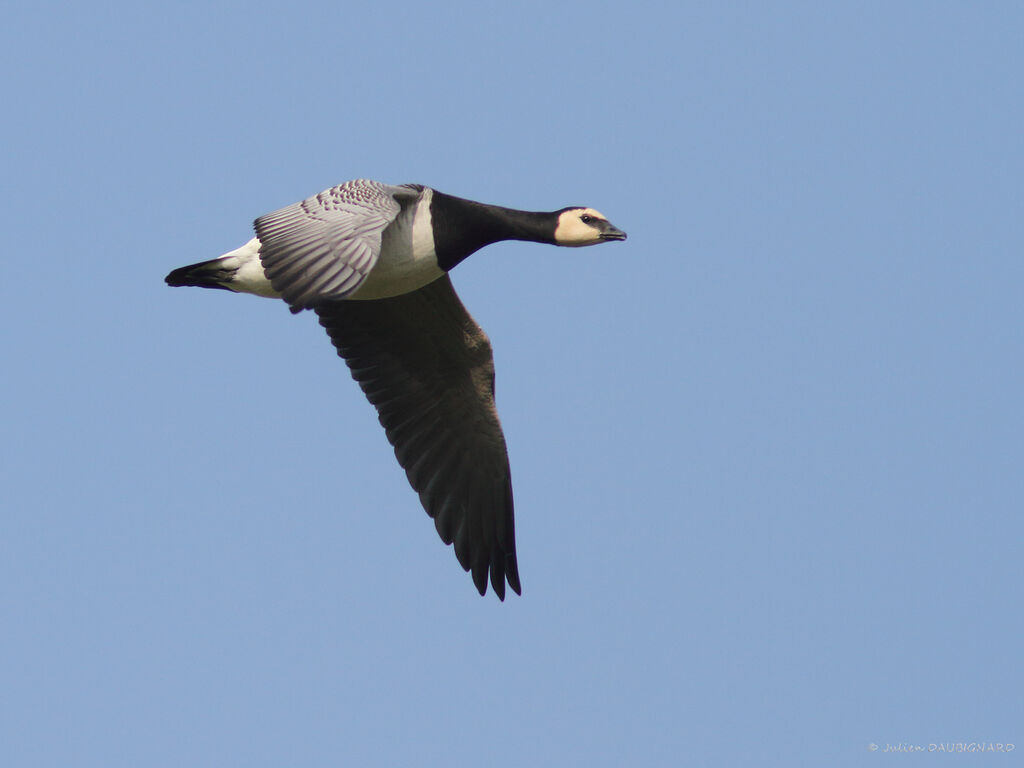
[766,453]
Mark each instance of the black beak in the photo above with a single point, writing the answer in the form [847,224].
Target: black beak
[609,232]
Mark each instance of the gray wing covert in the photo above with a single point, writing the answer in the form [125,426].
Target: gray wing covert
[427,367]
[324,247]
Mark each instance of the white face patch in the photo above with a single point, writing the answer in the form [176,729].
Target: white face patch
[575,227]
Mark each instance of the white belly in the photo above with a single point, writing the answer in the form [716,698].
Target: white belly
[407,259]
[393,277]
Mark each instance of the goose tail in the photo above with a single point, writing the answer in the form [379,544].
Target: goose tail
[239,271]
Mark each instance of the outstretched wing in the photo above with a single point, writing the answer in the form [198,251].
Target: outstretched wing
[324,247]
[427,367]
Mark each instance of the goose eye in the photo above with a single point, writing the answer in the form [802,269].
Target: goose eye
[586,218]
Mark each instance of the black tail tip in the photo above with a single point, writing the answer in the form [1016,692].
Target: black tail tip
[205,274]
[177,277]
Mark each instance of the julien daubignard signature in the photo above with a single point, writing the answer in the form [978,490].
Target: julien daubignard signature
[945,747]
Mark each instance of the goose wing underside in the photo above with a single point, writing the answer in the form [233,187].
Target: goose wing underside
[324,247]
[427,367]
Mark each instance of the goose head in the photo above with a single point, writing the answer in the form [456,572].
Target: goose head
[584,226]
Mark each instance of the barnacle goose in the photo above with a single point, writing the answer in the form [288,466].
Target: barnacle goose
[371,260]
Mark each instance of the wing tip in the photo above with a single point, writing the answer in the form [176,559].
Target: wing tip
[502,573]
[501,568]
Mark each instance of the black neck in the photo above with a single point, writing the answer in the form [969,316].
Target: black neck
[462,227]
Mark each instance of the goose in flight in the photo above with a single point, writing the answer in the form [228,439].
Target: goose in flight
[371,260]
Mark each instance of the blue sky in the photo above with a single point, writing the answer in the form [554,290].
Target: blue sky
[766,453]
